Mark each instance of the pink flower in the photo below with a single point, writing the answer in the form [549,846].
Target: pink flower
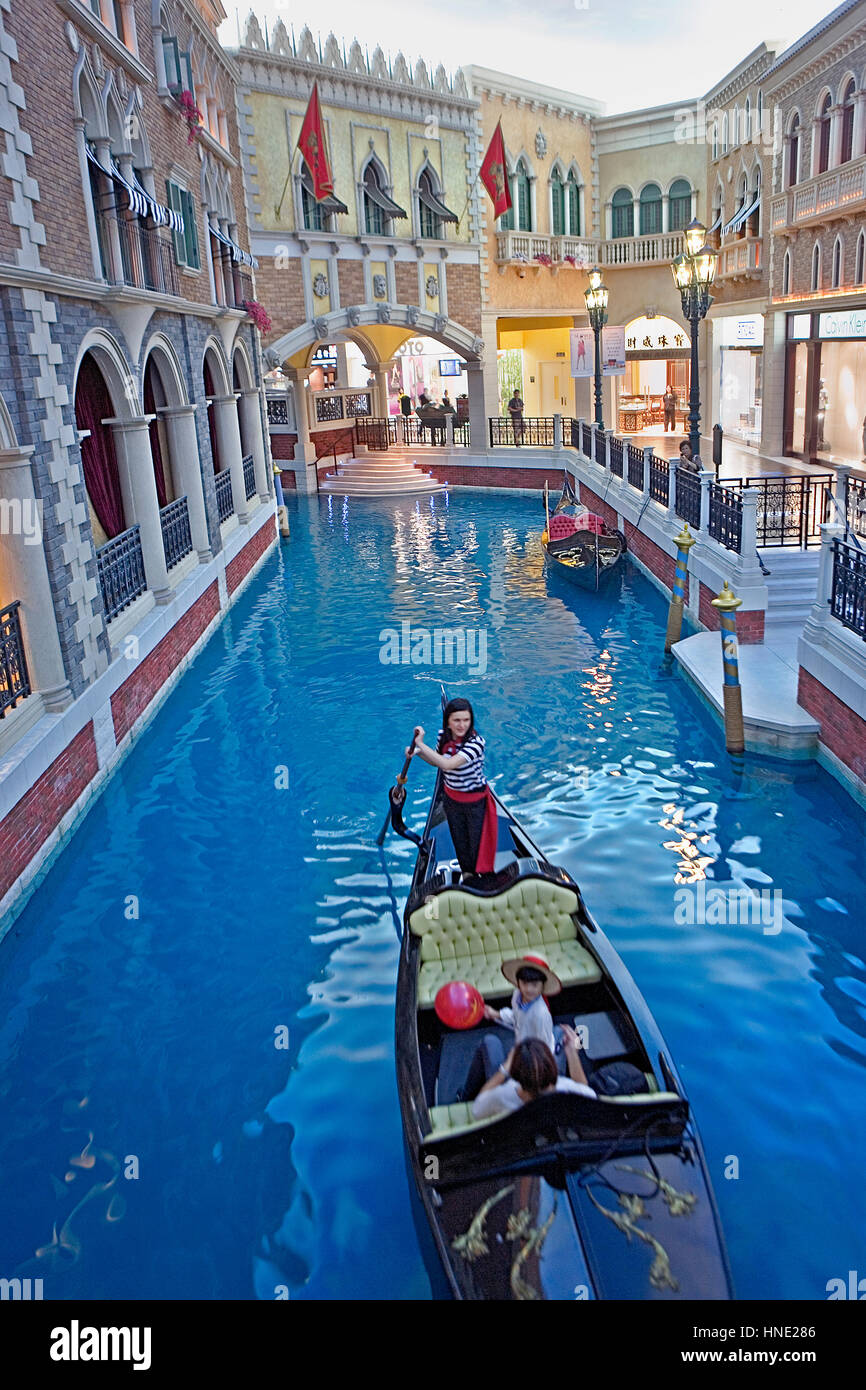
[191,114]
[543,258]
[259,316]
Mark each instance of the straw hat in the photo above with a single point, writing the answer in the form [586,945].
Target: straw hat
[552,985]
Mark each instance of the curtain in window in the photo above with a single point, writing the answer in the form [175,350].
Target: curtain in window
[523,200]
[651,210]
[155,445]
[211,422]
[557,198]
[573,194]
[680,205]
[93,404]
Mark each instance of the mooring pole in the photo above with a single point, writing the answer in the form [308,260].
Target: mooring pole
[684,542]
[727,605]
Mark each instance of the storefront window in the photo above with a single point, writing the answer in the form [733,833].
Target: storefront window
[798,418]
[841,403]
[740,406]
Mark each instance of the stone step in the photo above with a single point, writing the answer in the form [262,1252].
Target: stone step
[346,488]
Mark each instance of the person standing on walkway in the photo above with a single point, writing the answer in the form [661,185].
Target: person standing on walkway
[669,400]
[515,410]
[405,405]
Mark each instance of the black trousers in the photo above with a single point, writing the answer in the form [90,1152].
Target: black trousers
[465,821]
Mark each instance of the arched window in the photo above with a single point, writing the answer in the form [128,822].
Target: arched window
[375,221]
[760,113]
[572,202]
[753,227]
[735,127]
[837,263]
[794,151]
[650,210]
[786,273]
[860,259]
[679,205]
[557,204]
[816,267]
[725,133]
[622,208]
[715,139]
[847,150]
[429,220]
[522,198]
[316,219]
[747,121]
[823,136]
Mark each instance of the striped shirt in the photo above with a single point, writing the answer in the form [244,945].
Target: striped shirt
[470,777]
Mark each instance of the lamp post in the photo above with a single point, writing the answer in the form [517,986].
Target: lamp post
[596,298]
[693,273]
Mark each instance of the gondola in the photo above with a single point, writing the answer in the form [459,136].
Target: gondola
[571,1197]
[580,546]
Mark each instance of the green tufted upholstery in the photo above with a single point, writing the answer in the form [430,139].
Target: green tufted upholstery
[457,1119]
[469,937]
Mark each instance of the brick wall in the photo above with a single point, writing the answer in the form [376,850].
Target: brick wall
[132,698]
[467,475]
[238,568]
[750,624]
[351,283]
[593,501]
[289,481]
[28,825]
[842,731]
[464,295]
[657,560]
[406,276]
[283,446]
[282,293]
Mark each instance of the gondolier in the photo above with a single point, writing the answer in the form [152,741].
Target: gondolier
[469,805]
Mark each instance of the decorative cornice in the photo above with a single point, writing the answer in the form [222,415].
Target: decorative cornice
[819,63]
[84,18]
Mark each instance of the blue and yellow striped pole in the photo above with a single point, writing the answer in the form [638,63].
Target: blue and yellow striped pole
[684,542]
[727,605]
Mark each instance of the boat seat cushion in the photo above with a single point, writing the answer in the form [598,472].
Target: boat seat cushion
[456,1119]
[466,937]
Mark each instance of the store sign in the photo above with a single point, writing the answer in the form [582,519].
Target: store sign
[799,326]
[654,335]
[744,332]
[846,323]
[613,350]
[582,352]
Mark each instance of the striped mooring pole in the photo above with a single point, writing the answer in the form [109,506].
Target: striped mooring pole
[727,605]
[684,542]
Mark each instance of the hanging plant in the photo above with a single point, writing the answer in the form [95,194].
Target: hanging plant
[190,113]
[260,317]
[544,259]
[572,260]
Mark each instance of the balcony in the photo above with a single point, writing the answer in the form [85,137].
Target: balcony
[742,260]
[225,501]
[658,249]
[14,679]
[176,535]
[339,407]
[839,193]
[120,569]
[146,261]
[524,248]
[249,476]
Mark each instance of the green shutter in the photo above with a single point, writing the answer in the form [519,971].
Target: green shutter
[172,63]
[176,205]
[189,231]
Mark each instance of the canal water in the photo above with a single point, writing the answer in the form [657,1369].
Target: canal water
[197,1094]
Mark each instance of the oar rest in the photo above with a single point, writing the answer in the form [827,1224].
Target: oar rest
[465,936]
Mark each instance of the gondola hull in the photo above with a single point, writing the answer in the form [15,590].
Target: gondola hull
[532,1205]
[585,559]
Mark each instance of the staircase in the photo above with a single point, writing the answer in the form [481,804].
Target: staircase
[792,586]
[379,475]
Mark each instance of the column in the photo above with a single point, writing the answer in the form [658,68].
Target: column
[109,222]
[251,415]
[477,409]
[186,468]
[89,212]
[379,373]
[557,431]
[835,137]
[304,450]
[706,476]
[858,142]
[647,457]
[840,494]
[26,574]
[666,215]
[140,502]
[231,455]
[820,615]
[342,365]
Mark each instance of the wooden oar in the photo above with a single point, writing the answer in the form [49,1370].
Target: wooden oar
[397,794]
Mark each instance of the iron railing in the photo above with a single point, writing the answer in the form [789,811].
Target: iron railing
[531,430]
[225,501]
[14,677]
[726,516]
[383,432]
[376,433]
[577,435]
[146,260]
[855,505]
[278,410]
[615,454]
[249,476]
[634,458]
[120,569]
[329,408]
[848,592]
[687,494]
[176,535]
[790,508]
[660,480]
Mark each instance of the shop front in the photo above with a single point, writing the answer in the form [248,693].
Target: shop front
[656,359]
[740,343]
[825,387]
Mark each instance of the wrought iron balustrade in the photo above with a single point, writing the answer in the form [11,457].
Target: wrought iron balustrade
[687,494]
[176,535]
[278,410]
[615,453]
[790,508]
[120,568]
[249,476]
[634,457]
[726,516]
[848,592]
[855,505]
[146,260]
[376,433]
[532,430]
[14,677]
[224,499]
[329,408]
[660,480]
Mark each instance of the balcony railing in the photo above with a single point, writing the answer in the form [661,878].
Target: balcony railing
[687,494]
[848,592]
[336,406]
[657,249]
[382,433]
[615,447]
[840,192]
[660,480]
[726,517]
[224,499]
[120,568]
[14,678]
[790,508]
[537,431]
[146,260]
[278,410]
[249,476]
[176,535]
[516,248]
[634,465]
[741,260]
[855,508]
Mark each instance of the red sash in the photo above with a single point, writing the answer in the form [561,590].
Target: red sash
[489,833]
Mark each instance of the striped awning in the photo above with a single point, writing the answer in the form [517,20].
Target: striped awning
[162,216]
[717,224]
[238,254]
[379,196]
[136,199]
[741,216]
[429,199]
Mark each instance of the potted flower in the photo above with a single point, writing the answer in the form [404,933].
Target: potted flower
[543,258]
[191,114]
[572,260]
[260,317]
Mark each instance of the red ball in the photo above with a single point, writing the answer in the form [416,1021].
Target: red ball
[459,1005]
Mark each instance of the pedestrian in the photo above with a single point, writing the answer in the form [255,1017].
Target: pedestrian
[687,463]
[405,404]
[670,402]
[469,805]
[515,410]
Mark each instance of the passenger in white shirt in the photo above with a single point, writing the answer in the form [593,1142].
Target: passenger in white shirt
[528,1072]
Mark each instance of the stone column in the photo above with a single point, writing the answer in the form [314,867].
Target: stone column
[449,431]
[342,365]
[839,513]
[109,221]
[186,469]
[26,575]
[858,142]
[251,414]
[140,502]
[477,409]
[835,137]
[706,476]
[380,376]
[647,456]
[557,431]
[231,455]
[820,616]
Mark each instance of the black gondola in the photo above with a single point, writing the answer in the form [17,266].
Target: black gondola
[570,1197]
[588,553]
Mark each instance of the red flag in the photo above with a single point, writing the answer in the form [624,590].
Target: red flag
[494,174]
[312,144]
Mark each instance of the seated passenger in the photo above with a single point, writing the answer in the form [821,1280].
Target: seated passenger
[528,1013]
[528,1072]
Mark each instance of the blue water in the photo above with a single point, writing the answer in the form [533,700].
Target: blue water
[157,1142]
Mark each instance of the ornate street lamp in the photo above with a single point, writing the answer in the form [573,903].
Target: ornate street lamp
[693,274]
[596,298]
